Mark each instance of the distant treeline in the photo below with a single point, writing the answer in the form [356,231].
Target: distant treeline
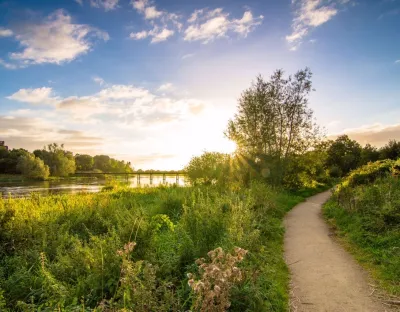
[54,160]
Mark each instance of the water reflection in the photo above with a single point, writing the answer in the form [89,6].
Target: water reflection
[22,189]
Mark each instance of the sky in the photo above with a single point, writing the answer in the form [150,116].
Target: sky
[154,82]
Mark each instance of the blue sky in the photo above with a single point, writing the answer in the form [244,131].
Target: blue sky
[155,82]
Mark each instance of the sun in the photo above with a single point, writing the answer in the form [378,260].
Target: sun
[228,146]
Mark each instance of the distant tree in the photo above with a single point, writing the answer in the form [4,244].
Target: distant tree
[107,164]
[274,119]
[84,162]
[344,154]
[390,150]
[369,153]
[102,162]
[9,160]
[60,161]
[209,168]
[33,167]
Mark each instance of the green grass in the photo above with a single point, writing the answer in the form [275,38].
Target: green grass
[60,252]
[367,219]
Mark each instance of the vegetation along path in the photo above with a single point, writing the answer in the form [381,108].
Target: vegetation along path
[324,276]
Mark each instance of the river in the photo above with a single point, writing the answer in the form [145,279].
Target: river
[23,189]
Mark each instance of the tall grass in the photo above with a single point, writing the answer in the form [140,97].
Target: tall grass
[133,248]
[366,212]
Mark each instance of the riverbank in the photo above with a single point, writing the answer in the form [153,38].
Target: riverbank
[12,178]
[21,178]
[85,263]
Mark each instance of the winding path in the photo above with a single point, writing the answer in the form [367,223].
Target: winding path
[325,278]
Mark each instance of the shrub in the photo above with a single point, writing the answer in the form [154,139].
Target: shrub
[212,290]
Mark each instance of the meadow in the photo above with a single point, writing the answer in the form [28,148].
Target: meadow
[132,250]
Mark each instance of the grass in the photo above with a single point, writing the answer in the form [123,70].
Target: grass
[64,251]
[367,219]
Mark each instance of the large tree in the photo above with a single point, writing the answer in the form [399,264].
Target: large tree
[274,120]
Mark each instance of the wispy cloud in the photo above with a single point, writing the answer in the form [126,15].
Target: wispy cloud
[107,5]
[119,102]
[207,26]
[397,62]
[8,65]
[55,40]
[5,32]
[100,81]
[203,25]
[166,87]
[38,96]
[186,56]
[149,11]
[310,14]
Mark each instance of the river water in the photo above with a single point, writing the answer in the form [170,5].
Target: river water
[23,189]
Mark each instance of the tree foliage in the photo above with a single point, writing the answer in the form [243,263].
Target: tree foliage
[390,150]
[33,167]
[273,116]
[274,122]
[209,168]
[84,162]
[344,154]
[60,161]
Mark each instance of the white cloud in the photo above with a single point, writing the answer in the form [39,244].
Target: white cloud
[56,40]
[152,13]
[166,87]
[207,26]
[195,15]
[139,5]
[156,34]
[397,62]
[123,104]
[202,25]
[310,14]
[99,80]
[162,35]
[5,32]
[149,11]
[107,5]
[80,2]
[139,35]
[34,96]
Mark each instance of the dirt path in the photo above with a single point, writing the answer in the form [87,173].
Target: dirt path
[325,278]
